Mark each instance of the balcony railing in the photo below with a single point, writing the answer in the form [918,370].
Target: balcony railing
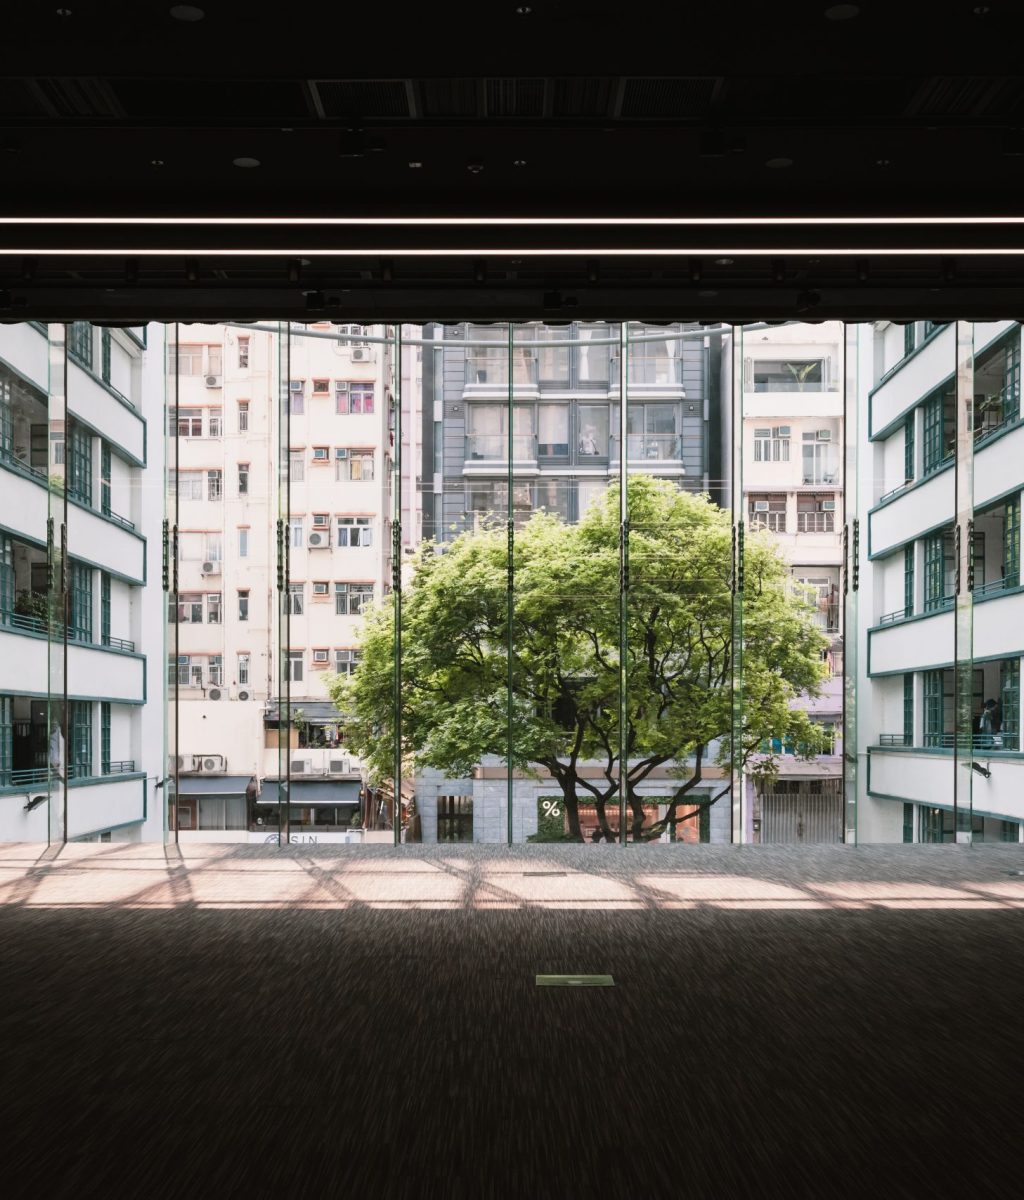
[30,623]
[993,413]
[775,521]
[895,739]
[493,447]
[974,741]
[11,460]
[38,776]
[891,618]
[117,519]
[939,603]
[650,447]
[125,766]
[995,586]
[815,522]
[902,487]
[116,643]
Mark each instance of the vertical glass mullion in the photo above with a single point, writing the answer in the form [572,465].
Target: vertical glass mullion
[510,587]
[623,577]
[851,580]
[735,754]
[282,345]
[170,582]
[396,574]
[58,730]
[963,541]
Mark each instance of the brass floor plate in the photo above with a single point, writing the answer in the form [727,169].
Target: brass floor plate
[575,981]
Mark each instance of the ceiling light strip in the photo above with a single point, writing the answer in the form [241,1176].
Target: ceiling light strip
[685,222]
[516,252]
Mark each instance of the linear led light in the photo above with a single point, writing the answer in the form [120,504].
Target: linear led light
[530,221]
[516,251]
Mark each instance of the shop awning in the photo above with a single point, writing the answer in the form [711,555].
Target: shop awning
[305,793]
[213,785]
[314,712]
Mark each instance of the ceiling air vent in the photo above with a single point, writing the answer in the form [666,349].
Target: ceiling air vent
[967,96]
[80,97]
[362,97]
[583,97]
[450,98]
[515,97]
[196,98]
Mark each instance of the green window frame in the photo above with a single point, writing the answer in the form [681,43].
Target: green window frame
[81,739]
[79,463]
[908,449]
[909,338]
[1009,699]
[6,738]
[81,603]
[908,710]
[933,708]
[908,580]
[80,343]
[105,464]
[6,420]
[6,577]
[105,738]
[1011,543]
[104,608]
[934,572]
[1011,380]
[908,822]
[105,356]
[938,432]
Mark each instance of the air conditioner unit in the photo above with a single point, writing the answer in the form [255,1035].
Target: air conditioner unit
[210,568]
[784,430]
[214,380]
[361,354]
[296,385]
[338,766]
[318,540]
[824,435]
[214,693]
[186,762]
[828,506]
[212,763]
[760,506]
[244,694]
[299,766]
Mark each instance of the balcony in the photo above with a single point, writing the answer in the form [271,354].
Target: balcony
[650,449]
[493,448]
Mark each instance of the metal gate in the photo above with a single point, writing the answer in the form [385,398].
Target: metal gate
[802,812]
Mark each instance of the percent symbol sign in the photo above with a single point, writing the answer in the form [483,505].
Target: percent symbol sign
[551,808]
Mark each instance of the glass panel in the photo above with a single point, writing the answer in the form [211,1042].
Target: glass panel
[973,714]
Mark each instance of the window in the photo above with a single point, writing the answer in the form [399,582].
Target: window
[341,398]
[939,571]
[243,479]
[552,431]
[1009,699]
[933,708]
[296,594]
[771,443]
[349,598]
[215,669]
[243,416]
[104,608]
[296,466]
[321,520]
[321,453]
[190,608]
[360,398]
[80,343]
[816,512]
[355,531]
[105,737]
[767,512]
[1011,543]
[346,661]
[908,580]
[186,422]
[353,465]
[189,484]
[823,594]
[909,338]
[213,608]
[79,463]
[105,341]
[243,543]
[939,429]
[908,449]
[243,352]
[297,396]
[295,666]
[487,432]
[789,375]
[80,758]
[820,458]
[243,605]
[321,387]
[243,669]
[215,425]
[215,360]
[652,431]
[81,602]
[295,532]
[106,465]
[592,441]
[320,587]
[908,710]
[214,485]
[185,359]
[455,818]
[212,547]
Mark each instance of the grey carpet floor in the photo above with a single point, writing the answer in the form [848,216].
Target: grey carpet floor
[814,1023]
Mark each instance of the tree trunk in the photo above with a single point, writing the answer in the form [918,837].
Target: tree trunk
[604,829]
[572,808]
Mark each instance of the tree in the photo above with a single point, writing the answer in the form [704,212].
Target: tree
[566,655]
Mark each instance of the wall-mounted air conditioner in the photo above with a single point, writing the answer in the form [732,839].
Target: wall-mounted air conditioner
[299,766]
[210,567]
[213,381]
[318,539]
[828,506]
[824,435]
[215,693]
[760,506]
[338,766]
[185,762]
[244,694]
[362,354]
[212,764]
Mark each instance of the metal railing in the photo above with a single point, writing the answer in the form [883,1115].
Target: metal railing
[891,618]
[815,522]
[493,447]
[995,586]
[902,487]
[125,766]
[895,739]
[11,461]
[117,518]
[974,741]
[775,521]
[939,603]
[118,643]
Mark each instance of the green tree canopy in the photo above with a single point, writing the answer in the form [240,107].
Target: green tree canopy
[565,671]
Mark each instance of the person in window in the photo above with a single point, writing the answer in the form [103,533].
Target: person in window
[988,725]
[588,440]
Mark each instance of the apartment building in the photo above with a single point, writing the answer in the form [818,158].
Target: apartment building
[941,475]
[793,486]
[283,444]
[81,635]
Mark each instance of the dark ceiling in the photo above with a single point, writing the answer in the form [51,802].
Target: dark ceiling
[559,108]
